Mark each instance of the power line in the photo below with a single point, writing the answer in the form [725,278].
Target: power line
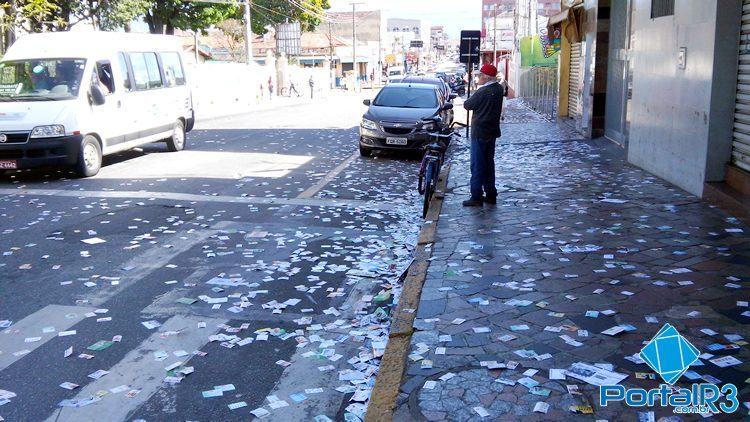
[255,5]
[316,13]
[309,10]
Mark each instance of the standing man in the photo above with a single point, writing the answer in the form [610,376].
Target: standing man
[312,87]
[487,105]
[270,87]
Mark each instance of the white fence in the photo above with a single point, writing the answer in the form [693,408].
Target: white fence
[221,89]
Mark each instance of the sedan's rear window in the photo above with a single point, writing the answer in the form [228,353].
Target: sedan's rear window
[406,98]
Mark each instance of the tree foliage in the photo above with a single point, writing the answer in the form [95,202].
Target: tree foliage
[162,16]
[273,12]
[61,15]
[33,15]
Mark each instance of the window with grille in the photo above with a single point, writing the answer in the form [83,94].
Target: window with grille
[660,8]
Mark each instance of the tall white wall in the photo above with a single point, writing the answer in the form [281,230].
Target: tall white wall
[672,108]
[221,89]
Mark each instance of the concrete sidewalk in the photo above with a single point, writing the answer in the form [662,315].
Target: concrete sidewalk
[578,243]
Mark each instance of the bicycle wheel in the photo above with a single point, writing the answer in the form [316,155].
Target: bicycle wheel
[421,176]
[429,187]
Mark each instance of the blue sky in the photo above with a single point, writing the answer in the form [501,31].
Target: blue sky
[454,15]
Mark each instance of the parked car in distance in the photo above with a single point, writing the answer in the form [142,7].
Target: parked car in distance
[393,118]
[442,87]
[69,98]
[396,73]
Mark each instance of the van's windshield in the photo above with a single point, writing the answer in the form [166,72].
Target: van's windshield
[40,79]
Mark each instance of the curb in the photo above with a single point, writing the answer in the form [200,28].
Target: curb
[388,381]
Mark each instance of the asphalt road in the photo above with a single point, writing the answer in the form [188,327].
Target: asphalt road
[261,209]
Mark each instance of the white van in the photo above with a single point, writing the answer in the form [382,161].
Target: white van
[396,74]
[68,98]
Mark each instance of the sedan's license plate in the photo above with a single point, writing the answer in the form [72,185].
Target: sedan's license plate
[396,141]
[8,165]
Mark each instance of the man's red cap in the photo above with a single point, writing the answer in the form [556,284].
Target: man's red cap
[489,70]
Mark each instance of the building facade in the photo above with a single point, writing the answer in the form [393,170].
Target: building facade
[669,81]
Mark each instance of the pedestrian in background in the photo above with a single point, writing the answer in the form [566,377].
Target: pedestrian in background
[270,87]
[487,105]
[312,87]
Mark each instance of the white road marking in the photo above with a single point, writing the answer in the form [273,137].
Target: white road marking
[207,165]
[174,196]
[305,373]
[13,339]
[312,190]
[145,263]
[139,370]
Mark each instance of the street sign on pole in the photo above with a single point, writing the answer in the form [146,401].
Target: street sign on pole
[416,44]
[470,41]
[288,37]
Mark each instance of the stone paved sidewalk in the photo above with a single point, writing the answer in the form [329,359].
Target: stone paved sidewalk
[512,283]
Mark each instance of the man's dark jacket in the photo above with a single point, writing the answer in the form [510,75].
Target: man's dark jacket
[487,104]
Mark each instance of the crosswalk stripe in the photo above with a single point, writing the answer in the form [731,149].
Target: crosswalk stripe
[174,196]
[140,371]
[15,341]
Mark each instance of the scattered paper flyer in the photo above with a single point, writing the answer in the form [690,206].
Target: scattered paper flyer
[594,375]
[541,407]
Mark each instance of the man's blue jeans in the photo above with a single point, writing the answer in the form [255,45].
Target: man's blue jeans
[483,168]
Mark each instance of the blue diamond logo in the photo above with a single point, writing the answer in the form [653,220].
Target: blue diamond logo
[669,354]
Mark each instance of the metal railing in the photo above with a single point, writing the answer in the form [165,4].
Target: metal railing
[538,89]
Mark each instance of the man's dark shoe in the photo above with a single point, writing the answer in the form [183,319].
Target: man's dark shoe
[473,203]
[492,200]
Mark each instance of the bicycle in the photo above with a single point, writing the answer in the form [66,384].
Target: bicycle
[432,161]
[287,92]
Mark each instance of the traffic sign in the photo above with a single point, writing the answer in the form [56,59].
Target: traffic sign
[470,42]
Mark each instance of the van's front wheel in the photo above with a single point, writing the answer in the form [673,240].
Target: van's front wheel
[176,142]
[89,157]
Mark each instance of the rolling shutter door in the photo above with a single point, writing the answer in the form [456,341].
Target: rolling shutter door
[741,141]
[574,83]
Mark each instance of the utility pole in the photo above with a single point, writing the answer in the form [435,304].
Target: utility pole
[354,46]
[494,38]
[196,44]
[248,31]
[380,52]
[330,50]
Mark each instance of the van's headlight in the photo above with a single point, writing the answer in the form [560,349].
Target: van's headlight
[50,131]
[369,124]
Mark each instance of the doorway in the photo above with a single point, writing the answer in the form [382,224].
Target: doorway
[620,73]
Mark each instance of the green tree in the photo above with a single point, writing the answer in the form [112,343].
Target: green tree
[28,15]
[33,15]
[164,16]
[102,14]
[273,12]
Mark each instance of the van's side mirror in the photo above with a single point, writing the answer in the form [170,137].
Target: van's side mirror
[96,96]
[367,102]
[448,106]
